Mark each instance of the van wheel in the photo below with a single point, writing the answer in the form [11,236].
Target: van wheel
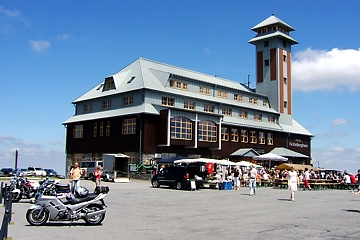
[155,184]
[179,185]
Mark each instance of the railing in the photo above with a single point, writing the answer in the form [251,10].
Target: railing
[7,195]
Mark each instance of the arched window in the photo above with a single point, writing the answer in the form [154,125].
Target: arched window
[207,131]
[181,128]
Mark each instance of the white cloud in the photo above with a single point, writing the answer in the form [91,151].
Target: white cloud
[30,153]
[314,69]
[338,149]
[339,122]
[11,14]
[39,46]
[206,50]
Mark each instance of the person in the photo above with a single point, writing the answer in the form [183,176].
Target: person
[252,183]
[358,177]
[161,168]
[293,182]
[236,178]
[97,174]
[306,179]
[75,175]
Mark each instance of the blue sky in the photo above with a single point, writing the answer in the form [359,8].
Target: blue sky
[51,52]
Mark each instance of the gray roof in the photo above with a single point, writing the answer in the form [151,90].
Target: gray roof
[296,128]
[281,151]
[153,75]
[271,21]
[271,35]
[248,152]
[144,108]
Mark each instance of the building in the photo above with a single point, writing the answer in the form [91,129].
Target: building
[150,109]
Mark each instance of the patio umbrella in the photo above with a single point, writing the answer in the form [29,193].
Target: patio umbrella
[270,157]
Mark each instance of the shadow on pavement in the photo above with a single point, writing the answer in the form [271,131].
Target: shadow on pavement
[351,210]
[64,224]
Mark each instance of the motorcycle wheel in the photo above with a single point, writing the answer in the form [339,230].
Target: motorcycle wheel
[34,219]
[16,197]
[96,220]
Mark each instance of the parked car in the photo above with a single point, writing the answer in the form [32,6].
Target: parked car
[8,171]
[23,171]
[177,176]
[37,171]
[2,174]
[89,168]
[50,172]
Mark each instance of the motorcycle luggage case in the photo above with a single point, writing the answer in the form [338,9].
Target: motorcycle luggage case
[101,189]
[62,188]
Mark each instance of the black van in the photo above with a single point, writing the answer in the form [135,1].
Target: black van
[177,176]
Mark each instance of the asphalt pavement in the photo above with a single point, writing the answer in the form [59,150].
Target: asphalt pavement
[138,211]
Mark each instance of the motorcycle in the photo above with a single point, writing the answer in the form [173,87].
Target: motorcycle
[27,188]
[50,187]
[89,207]
[16,193]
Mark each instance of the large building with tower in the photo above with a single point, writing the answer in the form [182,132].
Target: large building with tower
[153,110]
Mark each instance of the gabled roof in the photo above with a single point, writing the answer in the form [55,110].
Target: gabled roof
[281,151]
[148,74]
[271,21]
[296,128]
[248,152]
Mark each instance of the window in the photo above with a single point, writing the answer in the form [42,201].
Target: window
[207,131]
[101,129]
[284,43]
[263,30]
[108,128]
[87,107]
[127,101]
[208,108]
[181,128]
[95,130]
[274,28]
[285,104]
[224,134]
[106,104]
[269,29]
[167,101]
[78,131]
[222,94]
[189,105]
[244,136]
[243,114]
[234,135]
[178,84]
[253,101]
[77,157]
[238,97]
[204,90]
[266,62]
[132,157]
[270,140]
[265,103]
[226,111]
[285,80]
[284,58]
[110,85]
[261,138]
[253,138]
[266,43]
[258,117]
[271,119]
[129,126]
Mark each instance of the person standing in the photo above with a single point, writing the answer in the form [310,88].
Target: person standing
[75,175]
[293,182]
[252,182]
[306,179]
[97,174]
[236,179]
[358,181]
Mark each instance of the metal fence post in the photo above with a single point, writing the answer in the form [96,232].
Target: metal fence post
[1,192]
[10,206]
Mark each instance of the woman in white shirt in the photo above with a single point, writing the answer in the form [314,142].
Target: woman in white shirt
[293,182]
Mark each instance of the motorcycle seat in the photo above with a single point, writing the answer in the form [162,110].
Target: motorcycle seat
[89,197]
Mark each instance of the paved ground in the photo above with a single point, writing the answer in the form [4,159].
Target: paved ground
[137,211]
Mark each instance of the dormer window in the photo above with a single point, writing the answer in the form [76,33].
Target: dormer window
[111,85]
